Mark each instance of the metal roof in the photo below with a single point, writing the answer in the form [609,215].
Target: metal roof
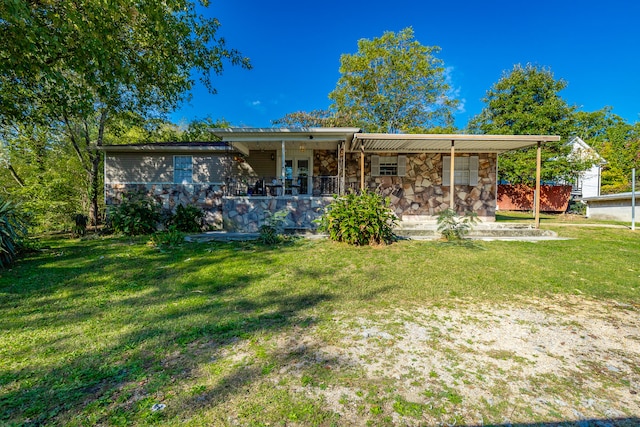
[285,134]
[438,143]
[201,146]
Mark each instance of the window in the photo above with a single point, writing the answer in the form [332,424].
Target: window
[182,169]
[388,165]
[465,170]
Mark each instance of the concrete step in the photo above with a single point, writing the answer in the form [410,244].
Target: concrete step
[480,230]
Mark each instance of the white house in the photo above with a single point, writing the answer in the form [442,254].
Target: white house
[587,184]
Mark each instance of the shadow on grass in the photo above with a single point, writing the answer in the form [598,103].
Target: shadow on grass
[122,315]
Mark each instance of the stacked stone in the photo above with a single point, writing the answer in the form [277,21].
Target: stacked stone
[247,214]
[207,197]
[421,192]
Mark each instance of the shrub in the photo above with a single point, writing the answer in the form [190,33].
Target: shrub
[12,231]
[271,232]
[359,219]
[454,227]
[171,237]
[80,224]
[137,214]
[187,219]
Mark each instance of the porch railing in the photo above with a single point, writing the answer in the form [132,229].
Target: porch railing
[273,186]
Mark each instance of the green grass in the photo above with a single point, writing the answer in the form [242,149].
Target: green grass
[97,331]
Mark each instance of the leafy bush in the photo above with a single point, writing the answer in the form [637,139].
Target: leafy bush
[359,219]
[137,214]
[171,237]
[12,230]
[271,232]
[187,219]
[80,224]
[454,227]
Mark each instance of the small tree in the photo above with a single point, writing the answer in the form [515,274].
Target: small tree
[454,227]
[359,219]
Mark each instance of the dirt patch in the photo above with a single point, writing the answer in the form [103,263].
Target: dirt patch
[569,359]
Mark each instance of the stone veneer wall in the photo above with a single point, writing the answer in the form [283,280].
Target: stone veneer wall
[325,163]
[421,193]
[247,214]
[207,197]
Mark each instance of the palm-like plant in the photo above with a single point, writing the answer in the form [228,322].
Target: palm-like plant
[12,229]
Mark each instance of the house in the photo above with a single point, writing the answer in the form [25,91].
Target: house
[587,183]
[556,196]
[254,171]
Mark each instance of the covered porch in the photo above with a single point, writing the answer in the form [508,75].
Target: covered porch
[299,169]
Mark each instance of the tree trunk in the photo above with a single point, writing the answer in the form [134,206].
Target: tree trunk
[94,178]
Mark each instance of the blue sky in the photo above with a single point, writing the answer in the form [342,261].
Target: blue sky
[295,49]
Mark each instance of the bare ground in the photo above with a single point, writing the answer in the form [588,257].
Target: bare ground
[539,361]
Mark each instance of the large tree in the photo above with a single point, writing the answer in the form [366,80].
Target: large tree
[81,64]
[526,101]
[394,84]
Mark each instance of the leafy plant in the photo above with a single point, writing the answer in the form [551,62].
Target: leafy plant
[12,230]
[271,232]
[80,224]
[171,237]
[137,214]
[454,227]
[187,219]
[359,219]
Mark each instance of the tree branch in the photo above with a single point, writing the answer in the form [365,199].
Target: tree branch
[75,145]
[15,175]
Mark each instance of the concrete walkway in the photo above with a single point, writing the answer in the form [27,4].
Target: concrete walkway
[483,232]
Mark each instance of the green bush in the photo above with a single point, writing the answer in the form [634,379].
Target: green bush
[187,219]
[454,227]
[271,232]
[359,219]
[12,231]
[168,238]
[137,214]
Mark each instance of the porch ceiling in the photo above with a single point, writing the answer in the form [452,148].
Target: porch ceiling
[438,143]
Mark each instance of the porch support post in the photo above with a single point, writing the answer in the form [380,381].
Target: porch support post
[362,166]
[343,178]
[283,167]
[537,195]
[452,177]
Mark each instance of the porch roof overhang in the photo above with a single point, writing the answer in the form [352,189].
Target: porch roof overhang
[244,139]
[187,147]
[439,143]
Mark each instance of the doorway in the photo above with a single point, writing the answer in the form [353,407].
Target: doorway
[297,175]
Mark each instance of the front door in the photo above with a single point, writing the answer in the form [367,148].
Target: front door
[297,175]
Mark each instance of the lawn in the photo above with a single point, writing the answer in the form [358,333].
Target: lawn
[114,331]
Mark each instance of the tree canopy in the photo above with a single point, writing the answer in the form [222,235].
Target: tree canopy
[394,84]
[79,69]
[526,101]
[69,57]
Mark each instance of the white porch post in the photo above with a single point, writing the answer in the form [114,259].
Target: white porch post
[283,169]
[537,195]
[362,166]
[452,177]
